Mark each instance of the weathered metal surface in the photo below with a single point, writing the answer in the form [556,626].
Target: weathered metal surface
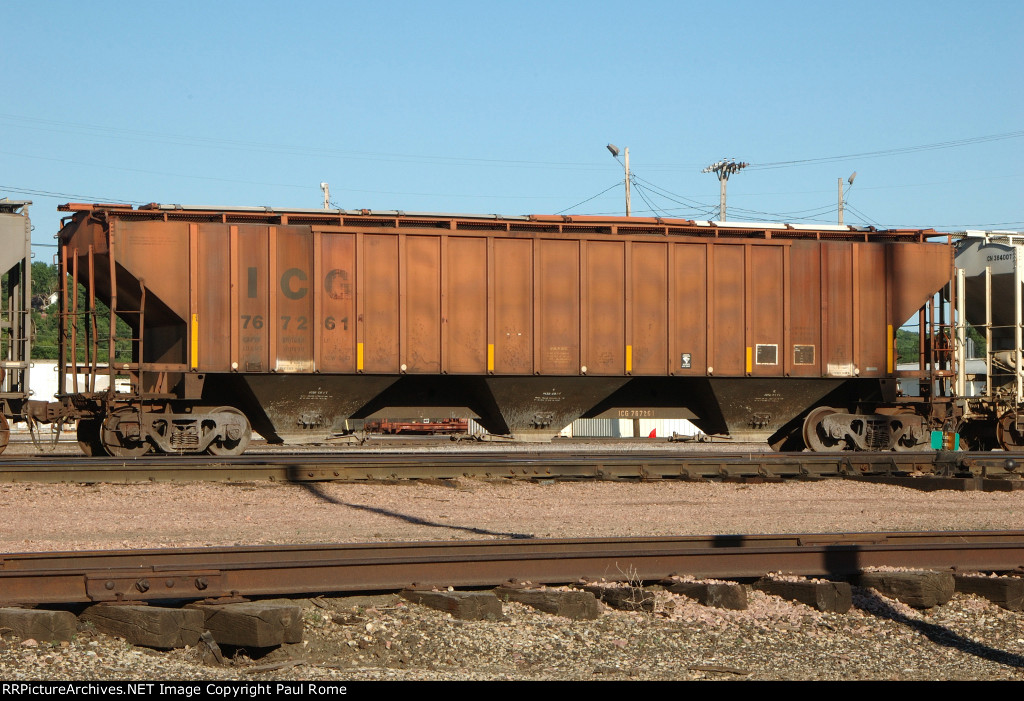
[538,407]
[754,409]
[267,570]
[306,294]
[300,408]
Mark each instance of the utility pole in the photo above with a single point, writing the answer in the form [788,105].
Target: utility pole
[723,169]
[327,195]
[614,150]
[842,200]
[627,182]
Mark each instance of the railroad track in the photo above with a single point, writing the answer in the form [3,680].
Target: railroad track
[212,573]
[989,470]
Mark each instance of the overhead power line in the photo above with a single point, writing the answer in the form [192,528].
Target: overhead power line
[891,151]
[67,196]
[264,147]
[57,126]
[701,208]
[306,186]
[643,196]
[589,198]
[864,216]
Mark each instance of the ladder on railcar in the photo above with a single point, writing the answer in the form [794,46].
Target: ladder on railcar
[81,357]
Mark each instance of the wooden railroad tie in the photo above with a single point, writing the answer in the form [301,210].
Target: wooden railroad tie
[920,589]
[836,597]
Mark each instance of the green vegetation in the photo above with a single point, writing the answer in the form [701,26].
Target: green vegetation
[44,279]
[46,320]
[907,344]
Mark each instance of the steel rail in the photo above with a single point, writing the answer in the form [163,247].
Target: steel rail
[199,573]
[361,466]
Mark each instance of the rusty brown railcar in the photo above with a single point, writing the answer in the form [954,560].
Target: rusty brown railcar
[295,321]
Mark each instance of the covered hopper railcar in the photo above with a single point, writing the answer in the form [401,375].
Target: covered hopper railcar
[293,322]
[15,312]
[989,301]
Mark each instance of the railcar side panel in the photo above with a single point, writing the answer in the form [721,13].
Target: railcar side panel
[154,251]
[870,301]
[513,306]
[421,346]
[291,327]
[837,308]
[336,324]
[604,317]
[769,294]
[253,275]
[728,291]
[649,293]
[212,291]
[793,308]
[915,273]
[805,310]
[465,323]
[691,326]
[378,325]
[558,305]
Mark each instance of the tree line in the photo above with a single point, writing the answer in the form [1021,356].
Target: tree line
[46,326]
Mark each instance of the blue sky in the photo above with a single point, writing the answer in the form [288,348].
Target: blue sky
[507,107]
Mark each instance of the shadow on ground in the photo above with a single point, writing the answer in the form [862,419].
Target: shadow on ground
[314,489]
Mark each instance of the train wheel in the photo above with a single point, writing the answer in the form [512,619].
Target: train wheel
[908,441]
[118,444]
[1007,433]
[5,433]
[239,433]
[88,432]
[816,438]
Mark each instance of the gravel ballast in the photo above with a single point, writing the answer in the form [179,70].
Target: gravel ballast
[80,517]
[384,637]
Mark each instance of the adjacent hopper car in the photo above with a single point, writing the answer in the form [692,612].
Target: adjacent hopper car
[987,295]
[294,323]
